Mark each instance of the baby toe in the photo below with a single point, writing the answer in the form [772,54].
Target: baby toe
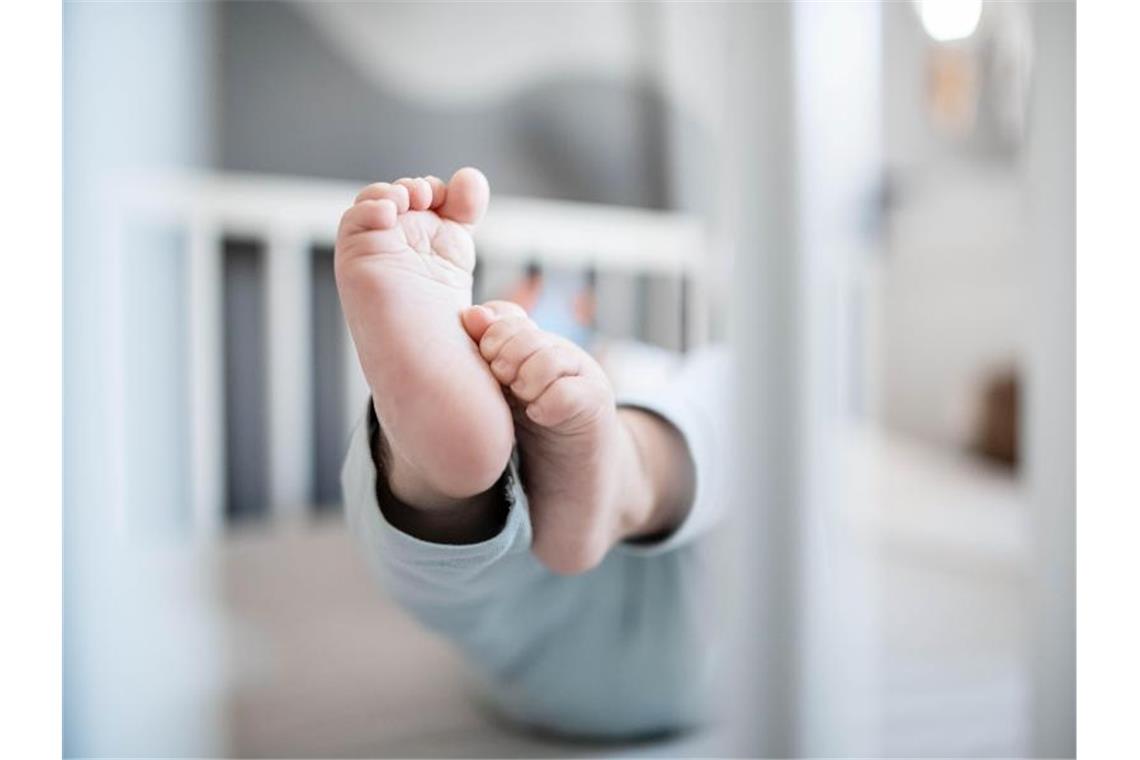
[419,192]
[438,191]
[468,194]
[542,368]
[567,401]
[386,191]
[499,333]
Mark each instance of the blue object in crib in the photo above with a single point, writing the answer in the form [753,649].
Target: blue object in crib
[555,309]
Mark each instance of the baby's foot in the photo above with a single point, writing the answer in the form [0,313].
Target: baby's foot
[578,461]
[404,262]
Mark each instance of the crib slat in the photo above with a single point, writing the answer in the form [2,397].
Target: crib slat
[207,450]
[289,380]
[329,426]
[356,393]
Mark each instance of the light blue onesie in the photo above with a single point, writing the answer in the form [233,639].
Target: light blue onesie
[622,651]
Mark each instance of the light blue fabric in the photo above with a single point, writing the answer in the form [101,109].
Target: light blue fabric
[554,311]
[622,651]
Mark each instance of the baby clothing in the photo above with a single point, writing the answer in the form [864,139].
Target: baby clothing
[621,651]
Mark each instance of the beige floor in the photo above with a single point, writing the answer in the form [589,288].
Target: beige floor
[322,665]
[947,547]
[319,663]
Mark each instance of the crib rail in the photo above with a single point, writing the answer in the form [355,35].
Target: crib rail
[291,220]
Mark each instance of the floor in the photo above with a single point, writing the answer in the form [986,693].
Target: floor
[947,548]
[319,663]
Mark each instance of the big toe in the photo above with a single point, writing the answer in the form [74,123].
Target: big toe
[468,194]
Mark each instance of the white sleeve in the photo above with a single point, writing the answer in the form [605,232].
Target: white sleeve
[697,403]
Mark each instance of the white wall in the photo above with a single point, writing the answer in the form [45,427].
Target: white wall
[953,282]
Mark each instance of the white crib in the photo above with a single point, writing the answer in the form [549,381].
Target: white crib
[291,224]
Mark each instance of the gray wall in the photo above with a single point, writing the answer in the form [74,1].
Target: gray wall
[292,103]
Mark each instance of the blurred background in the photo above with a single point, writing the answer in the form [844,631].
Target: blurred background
[872,202]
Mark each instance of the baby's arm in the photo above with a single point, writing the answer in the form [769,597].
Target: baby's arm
[665,465]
